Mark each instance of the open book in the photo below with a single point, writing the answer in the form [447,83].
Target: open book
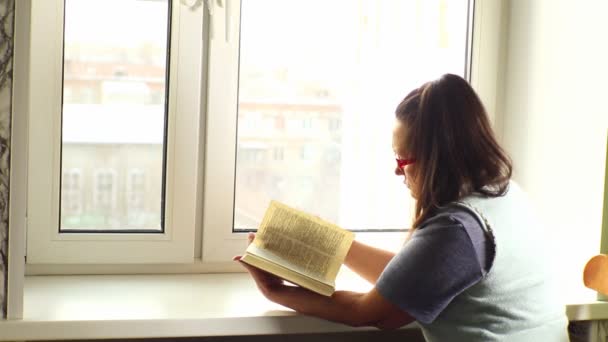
[299,247]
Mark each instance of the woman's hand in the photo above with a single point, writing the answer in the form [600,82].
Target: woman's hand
[355,309]
[266,282]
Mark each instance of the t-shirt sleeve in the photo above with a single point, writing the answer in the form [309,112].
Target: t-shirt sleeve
[438,263]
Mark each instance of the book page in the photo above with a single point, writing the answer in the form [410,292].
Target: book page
[273,264]
[315,246]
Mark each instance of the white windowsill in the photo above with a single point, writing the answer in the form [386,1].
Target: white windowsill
[146,306]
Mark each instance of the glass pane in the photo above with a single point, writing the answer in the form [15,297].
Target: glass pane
[319,83]
[114,112]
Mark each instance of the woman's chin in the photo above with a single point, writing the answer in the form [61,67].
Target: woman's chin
[409,187]
[412,194]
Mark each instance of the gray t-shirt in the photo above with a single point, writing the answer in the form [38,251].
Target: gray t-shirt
[446,255]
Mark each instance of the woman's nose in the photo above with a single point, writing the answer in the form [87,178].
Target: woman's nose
[399,171]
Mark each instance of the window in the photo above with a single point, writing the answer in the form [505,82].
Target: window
[113,124]
[307,123]
[136,192]
[72,194]
[104,200]
[182,135]
[307,152]
[278,153]
[105,114]
[334,124]
[332,88]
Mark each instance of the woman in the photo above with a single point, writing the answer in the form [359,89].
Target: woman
[471,269]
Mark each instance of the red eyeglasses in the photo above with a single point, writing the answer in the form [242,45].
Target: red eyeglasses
[401,163]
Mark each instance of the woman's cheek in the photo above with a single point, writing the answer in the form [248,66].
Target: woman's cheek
[409,173]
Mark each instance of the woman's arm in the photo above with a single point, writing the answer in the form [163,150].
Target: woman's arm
[367,261]
[354,309]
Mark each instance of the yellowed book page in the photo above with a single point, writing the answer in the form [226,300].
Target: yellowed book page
[288,274]
[275,259]
[314,246]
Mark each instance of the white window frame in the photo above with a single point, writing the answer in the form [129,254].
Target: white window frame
[484,70]
[219,242]
[45,245]
[202,239]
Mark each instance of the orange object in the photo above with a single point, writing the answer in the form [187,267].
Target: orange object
[595,274]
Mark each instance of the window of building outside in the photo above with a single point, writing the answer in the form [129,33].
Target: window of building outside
[136,197]
[71,204]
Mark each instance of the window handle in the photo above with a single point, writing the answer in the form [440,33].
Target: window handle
[192,4]
[227,19]
[225,4]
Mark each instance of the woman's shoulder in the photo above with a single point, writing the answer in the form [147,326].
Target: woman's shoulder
[472,227]
[454,214]
[453,217]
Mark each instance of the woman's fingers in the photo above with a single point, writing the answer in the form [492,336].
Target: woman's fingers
[250,238]
[265,281]
[262,276]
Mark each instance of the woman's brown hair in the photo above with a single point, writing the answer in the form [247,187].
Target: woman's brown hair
[456,152]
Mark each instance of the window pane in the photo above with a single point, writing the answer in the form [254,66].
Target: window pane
[319,83]
[114,113]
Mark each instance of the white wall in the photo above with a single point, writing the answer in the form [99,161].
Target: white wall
[555,118]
